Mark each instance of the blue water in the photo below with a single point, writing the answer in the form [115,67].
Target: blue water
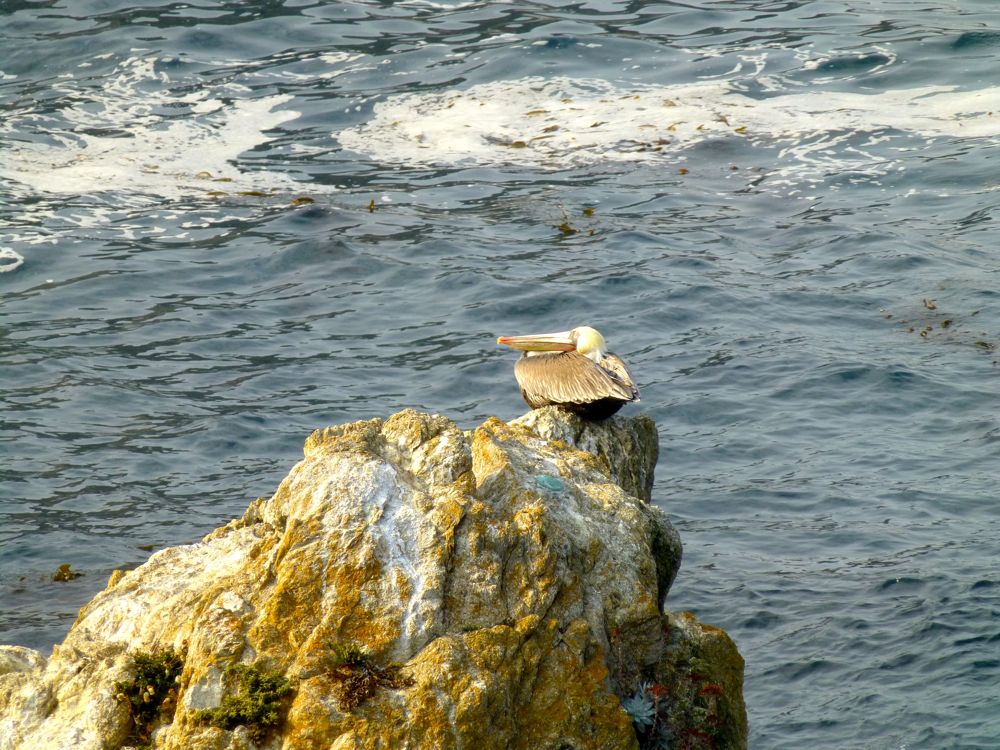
[243,221]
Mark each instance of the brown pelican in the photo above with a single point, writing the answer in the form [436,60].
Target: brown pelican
[572,369]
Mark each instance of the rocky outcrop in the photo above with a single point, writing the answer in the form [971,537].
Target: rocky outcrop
[417,587]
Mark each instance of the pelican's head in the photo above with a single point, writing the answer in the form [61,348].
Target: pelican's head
[589,342]
[582,339]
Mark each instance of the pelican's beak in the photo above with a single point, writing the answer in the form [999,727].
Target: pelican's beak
[540,342]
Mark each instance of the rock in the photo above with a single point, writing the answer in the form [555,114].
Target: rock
[14,659]
[705,672]
[625,449]
[419,587]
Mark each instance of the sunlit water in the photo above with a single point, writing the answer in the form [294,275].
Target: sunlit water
[239,222]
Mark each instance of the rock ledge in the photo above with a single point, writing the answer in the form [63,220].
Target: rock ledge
[513,577]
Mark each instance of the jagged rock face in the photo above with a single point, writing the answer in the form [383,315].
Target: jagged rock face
[517,573]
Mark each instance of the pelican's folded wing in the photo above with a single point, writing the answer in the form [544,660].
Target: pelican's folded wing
[571,378]
[617,369]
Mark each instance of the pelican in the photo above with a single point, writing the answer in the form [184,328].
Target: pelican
[572,369]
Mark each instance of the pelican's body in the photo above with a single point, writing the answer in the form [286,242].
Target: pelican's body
[572,369]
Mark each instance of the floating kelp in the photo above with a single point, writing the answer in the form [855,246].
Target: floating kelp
[65,573]
[931,322]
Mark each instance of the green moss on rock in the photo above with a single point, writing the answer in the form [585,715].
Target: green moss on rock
[151,696]
[255,701]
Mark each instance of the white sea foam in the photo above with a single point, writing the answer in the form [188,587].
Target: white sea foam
[137,137]
[10,260]
[561,122]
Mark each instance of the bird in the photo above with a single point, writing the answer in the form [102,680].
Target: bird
[572,369]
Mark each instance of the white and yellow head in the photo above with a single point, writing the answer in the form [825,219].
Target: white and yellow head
[582,339]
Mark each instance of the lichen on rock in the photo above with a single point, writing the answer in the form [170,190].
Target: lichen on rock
[505,586]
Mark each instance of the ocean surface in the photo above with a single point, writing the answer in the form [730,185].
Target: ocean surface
[223,225]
